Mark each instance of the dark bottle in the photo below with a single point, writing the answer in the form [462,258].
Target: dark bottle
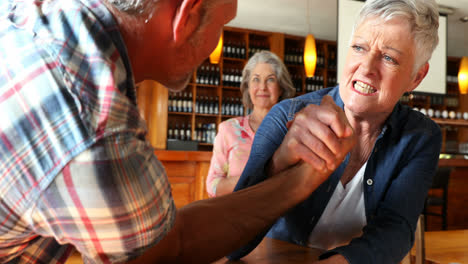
[211,78]
[184,102]
[227,107]
[216,76]
[210,106]
[188,132]
[216,105]
[228,49]
[233,106]
[170,132]
[223,107]
[169,102]
[180,103]
[206,106]
[226,77]
[182,133]
[175,101]
[199,132]
[242,55]
[238,77]
[197,105]
[176,131]
[190,103]
[200,73]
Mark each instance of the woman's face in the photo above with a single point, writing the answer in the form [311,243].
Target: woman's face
[379,67]
[264,89]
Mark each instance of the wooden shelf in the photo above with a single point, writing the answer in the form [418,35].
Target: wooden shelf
[457,161]
[207,85]
[181,113]
[231,88]
[206,144]
[234,59]
[206,115]
[451,122]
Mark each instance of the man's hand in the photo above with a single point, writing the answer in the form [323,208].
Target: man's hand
[319,135]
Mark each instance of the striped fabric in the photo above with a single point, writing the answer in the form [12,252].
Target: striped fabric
[75,168]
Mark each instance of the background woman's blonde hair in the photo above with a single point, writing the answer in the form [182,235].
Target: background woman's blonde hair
[284,79]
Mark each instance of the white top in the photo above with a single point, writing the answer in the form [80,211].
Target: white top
[344,217]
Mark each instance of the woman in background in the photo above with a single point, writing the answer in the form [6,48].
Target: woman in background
[265,81]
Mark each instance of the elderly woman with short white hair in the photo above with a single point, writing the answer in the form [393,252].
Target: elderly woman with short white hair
[366,208]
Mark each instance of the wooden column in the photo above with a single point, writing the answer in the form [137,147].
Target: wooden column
[277,44]
[152,99]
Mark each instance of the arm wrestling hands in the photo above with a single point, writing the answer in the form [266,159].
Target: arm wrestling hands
[318,138]
[299,170]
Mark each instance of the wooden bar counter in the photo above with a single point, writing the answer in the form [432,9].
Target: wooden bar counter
[187,171]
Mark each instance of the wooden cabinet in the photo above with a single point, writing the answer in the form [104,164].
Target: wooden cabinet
[187,171]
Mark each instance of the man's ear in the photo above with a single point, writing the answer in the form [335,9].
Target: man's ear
[186,20]
[417,79]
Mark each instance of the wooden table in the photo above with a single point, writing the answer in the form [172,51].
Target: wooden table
[269,251]
[443,247]
[272,251]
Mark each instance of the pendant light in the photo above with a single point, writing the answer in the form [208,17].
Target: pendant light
[310,50]
[463,76]
[216,53]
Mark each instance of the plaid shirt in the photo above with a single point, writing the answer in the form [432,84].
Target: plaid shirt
[75,168]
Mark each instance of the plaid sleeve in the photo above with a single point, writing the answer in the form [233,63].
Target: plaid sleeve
[111,202]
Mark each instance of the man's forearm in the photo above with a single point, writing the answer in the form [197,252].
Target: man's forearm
[209,229]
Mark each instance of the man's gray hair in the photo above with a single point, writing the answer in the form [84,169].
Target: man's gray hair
[422,16]
[133,7]
[284,79]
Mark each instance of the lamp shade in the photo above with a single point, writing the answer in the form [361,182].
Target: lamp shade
[463,76]
[310,55]
[216,54]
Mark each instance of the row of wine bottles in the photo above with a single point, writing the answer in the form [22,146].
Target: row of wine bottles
[314,83]
[204,132]
[433,99]
[237,49]
[182,102]
[232,77]
[209,75]
[295,56]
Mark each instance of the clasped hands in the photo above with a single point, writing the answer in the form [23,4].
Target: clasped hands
[318,139]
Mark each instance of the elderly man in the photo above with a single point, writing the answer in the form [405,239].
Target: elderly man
[75,168]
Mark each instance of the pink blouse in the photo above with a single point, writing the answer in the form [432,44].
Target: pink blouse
[231,151]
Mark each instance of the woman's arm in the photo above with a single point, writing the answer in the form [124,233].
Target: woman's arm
[217,182]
